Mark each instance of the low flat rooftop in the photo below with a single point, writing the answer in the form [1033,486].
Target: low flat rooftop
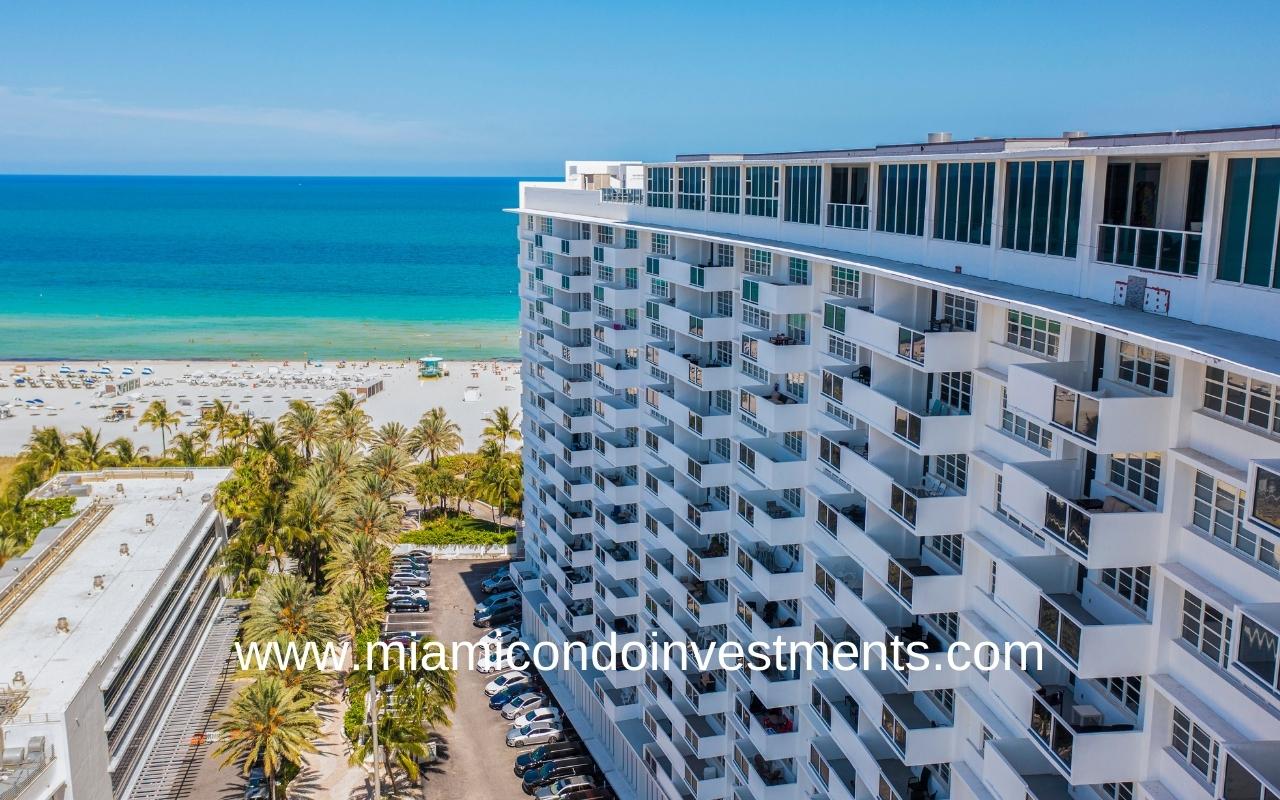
[55,664]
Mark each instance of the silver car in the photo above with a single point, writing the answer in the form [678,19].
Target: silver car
[543,714]
[535,733]
[522,703]
[410,579]
[563,786]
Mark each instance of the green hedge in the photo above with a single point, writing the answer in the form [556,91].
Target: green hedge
[463,530]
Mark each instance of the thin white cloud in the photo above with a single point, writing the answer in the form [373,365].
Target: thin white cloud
[320,123]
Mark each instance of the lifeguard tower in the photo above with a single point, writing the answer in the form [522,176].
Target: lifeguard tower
[432,367]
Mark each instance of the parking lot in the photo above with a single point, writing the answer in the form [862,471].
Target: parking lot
[475,760]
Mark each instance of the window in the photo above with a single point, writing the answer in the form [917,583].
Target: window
[724,255]
[953,469]
[750,291]
[725,189]
[755,372]
[1247,252]
[961,312]
[1127,691]
[846,282]
[660,244]
[1136,473]
[828,520]
[1253,402]
[1029,332]
[901,191]
[962,201]
[849,197]
[794,441]
[1266,499]
[1042,206]
[1195,745]
[1132,584]
[1131,193]
[762,191]
[754,316]
[604,235]
[949,547]
[692,185]
[828,452]
[528,222]
[955,389]
[632,239]
[947,623]
[1217,509]
[842,348]
[1142,366]
[544,224]
[833,317]
[804,194]
[1257,651]
[757,262]
[832,386]
[798,271]
[1206,628]
[1022,428]
[658,187]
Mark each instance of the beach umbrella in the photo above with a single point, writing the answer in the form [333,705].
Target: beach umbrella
[35,401]
[127,371]
[64,370]
[148,371]
[83,371]
[102,371]
[106,368]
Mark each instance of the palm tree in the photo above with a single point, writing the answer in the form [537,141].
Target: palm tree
[158,416]
[402,740]
[374,517]
[303,427]
[352,426]
[341,403]
[340,458]
[286,606]
[125,453]
[497,481]
[501,426]
[436,435]
[360,560]
[216,418]
[91,453]
[242,563]
[393,434]
[311,519]
[268,723]
[355,608]
[187,450]
[48,453]
[393,466]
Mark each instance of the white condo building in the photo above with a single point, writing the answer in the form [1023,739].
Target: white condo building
[990,390]
[99,624]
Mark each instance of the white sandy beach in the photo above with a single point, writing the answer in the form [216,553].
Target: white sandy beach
[263,388]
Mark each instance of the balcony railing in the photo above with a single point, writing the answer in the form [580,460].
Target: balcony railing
[630,196]
[1150,248]
[848,215]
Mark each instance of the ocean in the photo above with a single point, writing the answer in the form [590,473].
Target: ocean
[137,268]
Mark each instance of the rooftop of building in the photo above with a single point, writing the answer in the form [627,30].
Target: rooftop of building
[944,144]
[153,512]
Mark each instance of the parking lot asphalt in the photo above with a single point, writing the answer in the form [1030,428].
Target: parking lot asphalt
[476,763]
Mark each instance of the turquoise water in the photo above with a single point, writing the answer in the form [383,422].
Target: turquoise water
[153,267]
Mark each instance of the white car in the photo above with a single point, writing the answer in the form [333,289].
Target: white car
[535,733]
[502,659]
[405,591]
[505,679]
[543,714]
[503,634]
[563,787]
[522,703]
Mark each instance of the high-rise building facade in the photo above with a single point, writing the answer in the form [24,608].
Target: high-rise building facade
[995,390]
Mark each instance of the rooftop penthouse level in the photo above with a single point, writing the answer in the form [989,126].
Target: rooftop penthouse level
[1181,223]
[98,622]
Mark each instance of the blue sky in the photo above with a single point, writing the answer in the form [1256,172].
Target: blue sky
[422,87]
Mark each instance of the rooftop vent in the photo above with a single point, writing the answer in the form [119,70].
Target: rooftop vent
[178,491]
[63,625]
[206,497]
[939,137]
[99,582]
[119,488]
[124,548]
[1074,134]
[151,519]
[19,678]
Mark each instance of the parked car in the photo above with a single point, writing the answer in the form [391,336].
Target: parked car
[498,582]
[404,638]
[409,605]
[419,551]
[255,788]
[503,660]
[545,753]
[588,793]
[504,616]
[503,634]
[504,680]
[411,578]
[510,692]
[537,733]
[497,601]
[560,777]
[522,703]
[537,715]
[396,592]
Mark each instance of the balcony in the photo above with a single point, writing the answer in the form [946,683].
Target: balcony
[774,409]
[1103,531]
[778,298]
[916,738]
[1113,419]
[632,197]
[771,463]
[931,507]
[774,574]
[1149,226]
[924,588]
[622,598]
[705,735]
[940,348]
[766,779]
[707,692]
[619,374]
[619,703]
[775,521]
[620,448]
[620,561]
[848,215]
[617,411]
[772,731]
[834,709]
[1097,637]
[1172,251]
[709,561]
[1079,740]
[767,621]
[777,353]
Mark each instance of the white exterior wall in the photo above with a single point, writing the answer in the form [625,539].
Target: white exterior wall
[576,384]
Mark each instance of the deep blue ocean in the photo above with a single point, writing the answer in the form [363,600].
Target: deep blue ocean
[213,267]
